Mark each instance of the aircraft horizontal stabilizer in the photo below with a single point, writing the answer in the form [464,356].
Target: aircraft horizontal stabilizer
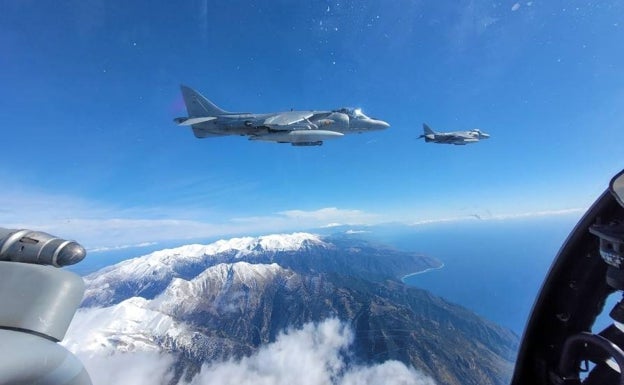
[191,121]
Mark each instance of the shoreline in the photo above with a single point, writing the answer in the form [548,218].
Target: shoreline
[421,272]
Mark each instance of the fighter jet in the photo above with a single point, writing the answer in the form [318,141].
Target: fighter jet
[459,138]
[299,128]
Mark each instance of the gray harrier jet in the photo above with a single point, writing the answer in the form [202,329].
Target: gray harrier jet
[455,137]
[299,128]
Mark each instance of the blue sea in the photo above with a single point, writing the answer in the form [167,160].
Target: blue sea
[494,267]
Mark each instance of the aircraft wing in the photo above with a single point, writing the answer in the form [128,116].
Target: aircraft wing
[455,138]
[461,140]
[282,120]
[447,138]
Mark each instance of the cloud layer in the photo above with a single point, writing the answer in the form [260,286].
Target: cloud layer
[101,227]
[312,355]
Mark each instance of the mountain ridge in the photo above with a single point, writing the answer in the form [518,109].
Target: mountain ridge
[148,275]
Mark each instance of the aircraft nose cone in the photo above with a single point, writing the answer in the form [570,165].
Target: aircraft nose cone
[380,125]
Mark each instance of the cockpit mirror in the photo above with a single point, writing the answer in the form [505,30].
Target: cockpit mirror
[616,186]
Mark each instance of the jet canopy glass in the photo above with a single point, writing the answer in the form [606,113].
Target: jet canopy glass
[352,112]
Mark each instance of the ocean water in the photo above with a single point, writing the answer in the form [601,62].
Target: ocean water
[494,268]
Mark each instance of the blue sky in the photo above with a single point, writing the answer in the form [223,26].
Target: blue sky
[90,88]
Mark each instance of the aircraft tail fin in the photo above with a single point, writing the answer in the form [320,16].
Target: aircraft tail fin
[197,105]
[427,130]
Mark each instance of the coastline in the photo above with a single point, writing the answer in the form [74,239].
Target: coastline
[421,272]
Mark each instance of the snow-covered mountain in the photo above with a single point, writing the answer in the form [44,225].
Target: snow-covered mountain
[171,321]
[228,299]
[149,275]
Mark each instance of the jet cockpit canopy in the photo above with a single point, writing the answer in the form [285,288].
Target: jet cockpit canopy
[352,112]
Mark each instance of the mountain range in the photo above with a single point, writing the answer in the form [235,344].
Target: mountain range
[225,300]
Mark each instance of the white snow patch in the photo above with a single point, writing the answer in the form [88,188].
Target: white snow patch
[160,264]
[126,327]
[183,295]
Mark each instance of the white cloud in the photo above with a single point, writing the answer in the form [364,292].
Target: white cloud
[300,219]
[515,7]
[331,215]
[122,247]
[440,220]
[101,227]
[129,368]
[357,231]
[542,213]
[390,372]
[489,216]
[312,355]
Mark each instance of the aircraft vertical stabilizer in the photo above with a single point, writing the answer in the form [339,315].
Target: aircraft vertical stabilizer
[197,105]
[427,129]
